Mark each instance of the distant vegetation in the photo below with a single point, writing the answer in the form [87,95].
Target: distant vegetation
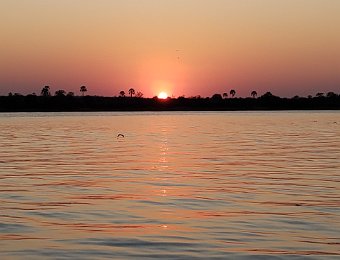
[134,101]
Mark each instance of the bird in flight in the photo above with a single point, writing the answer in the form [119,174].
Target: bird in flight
[178,54]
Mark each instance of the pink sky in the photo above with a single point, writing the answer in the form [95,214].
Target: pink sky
[183,47]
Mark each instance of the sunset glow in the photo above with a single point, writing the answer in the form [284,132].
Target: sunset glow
[201,47]
[162,95]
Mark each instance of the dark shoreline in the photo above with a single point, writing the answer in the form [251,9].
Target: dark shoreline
[267,102]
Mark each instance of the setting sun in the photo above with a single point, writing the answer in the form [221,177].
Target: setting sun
[162,95]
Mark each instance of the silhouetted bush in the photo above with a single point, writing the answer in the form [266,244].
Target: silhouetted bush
[62,102]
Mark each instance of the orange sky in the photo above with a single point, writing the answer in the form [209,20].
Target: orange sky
[184,47]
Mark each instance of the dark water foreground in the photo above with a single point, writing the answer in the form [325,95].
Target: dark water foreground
[177,186]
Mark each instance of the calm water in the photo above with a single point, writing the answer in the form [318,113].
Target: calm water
[179,185]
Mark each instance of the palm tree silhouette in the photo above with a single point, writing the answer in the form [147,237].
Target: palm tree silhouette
[46,91]
[232,93]
[254,94]
[225,95]
[122,93]
[83,89]
[131,92]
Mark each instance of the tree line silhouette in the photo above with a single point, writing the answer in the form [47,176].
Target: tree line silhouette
[134,101]
[46,92]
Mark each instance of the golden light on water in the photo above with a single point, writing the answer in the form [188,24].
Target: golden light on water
[186,186]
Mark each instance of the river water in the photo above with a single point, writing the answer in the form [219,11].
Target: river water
[197,185]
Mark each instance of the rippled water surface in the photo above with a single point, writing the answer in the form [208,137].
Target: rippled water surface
[179,185]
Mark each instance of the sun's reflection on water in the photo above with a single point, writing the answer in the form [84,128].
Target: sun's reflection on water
[198,184]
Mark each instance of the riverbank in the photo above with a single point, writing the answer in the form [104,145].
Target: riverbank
[32,103]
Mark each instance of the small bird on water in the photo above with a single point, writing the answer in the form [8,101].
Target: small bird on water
[120,135]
